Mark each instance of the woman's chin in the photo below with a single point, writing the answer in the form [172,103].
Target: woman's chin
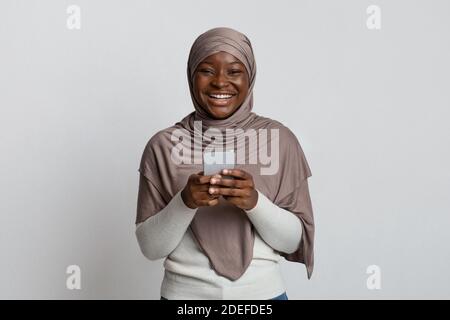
[220,113]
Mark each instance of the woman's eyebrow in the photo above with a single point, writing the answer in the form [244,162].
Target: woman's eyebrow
[233,62]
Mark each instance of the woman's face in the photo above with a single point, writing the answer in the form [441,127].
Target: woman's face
[221,84]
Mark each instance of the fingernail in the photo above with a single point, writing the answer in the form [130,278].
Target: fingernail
[225,171]
[211,190]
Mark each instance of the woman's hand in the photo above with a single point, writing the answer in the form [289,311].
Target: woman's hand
[195,193]
[240,191]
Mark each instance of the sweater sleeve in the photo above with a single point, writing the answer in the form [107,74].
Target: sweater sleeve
[280,228]
[161,233]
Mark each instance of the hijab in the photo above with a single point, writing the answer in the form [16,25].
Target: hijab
[223,232]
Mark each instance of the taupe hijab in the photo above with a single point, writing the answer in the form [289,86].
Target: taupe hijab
[224,232]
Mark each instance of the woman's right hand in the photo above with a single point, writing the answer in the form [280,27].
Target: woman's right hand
[196,192]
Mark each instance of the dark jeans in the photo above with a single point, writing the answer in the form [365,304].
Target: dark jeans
[282,296]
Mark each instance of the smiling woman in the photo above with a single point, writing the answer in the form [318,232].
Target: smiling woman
[221,84]
[224,238]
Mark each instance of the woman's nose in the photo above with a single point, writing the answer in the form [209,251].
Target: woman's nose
[219,81]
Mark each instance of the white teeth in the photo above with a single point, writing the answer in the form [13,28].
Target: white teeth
[221,96]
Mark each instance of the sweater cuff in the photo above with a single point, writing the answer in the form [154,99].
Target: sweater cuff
[178,204]
[263,202]
[175,206]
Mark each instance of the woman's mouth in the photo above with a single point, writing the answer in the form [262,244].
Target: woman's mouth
[220,99]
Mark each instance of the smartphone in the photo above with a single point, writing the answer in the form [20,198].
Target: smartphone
[215,162]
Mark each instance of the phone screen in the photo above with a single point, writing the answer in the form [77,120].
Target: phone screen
[215,162]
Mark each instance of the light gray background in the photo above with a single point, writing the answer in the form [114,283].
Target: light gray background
[370,109]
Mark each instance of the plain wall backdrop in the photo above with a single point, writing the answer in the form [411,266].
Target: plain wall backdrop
[369,107]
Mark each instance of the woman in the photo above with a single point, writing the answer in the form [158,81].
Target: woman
[224,238]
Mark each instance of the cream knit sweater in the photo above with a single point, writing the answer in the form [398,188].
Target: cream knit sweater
[188,273]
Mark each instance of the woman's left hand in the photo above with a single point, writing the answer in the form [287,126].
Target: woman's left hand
[240,191]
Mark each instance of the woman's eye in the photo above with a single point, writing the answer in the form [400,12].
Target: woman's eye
[207,71]
[235,72]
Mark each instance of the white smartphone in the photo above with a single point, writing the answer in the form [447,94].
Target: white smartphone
[215,162]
